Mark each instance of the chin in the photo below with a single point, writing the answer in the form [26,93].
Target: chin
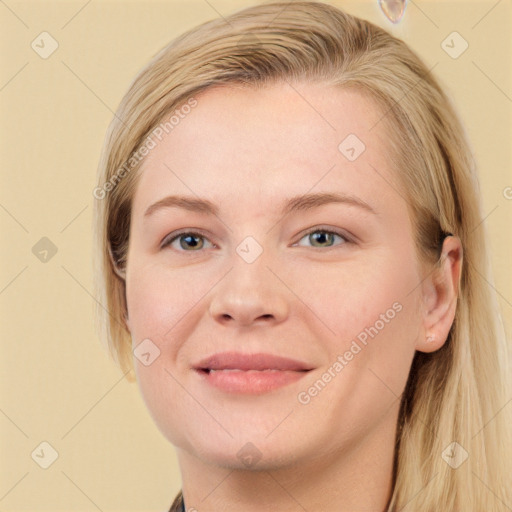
[248,452]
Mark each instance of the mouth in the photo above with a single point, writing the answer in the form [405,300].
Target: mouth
[250,373]
[209,371]
[259,361]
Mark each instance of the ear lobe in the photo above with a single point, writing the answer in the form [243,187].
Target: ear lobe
[440,292]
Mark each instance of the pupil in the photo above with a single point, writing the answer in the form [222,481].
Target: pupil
[322,237]
[188,241]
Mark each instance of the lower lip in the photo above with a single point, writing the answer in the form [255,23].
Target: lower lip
[251,381]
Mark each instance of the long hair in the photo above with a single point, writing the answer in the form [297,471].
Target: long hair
[457,394]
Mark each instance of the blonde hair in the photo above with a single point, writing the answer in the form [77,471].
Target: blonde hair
[456,394]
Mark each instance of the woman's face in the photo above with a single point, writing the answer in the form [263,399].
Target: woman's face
[289,239]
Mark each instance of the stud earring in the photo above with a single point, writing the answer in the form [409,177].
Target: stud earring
[431,338]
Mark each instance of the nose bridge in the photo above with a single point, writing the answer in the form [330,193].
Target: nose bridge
[250,292]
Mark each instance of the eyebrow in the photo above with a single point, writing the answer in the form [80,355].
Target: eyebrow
[297,203]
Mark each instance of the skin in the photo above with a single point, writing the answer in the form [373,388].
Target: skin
[248,151]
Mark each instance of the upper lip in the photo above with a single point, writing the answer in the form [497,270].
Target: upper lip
[259,361]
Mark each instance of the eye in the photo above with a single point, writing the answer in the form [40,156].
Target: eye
[320,237]
[191,241]
[187,241]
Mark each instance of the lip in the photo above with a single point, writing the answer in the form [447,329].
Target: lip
[259,361]
[234,372]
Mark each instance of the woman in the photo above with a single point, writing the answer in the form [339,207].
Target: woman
[286,215]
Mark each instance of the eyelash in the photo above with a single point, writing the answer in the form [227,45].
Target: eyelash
[175,236]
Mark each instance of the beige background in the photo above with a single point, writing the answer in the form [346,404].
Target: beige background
[57,382]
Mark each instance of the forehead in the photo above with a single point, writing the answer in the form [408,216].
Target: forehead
[253,145]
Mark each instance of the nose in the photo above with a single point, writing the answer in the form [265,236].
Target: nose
[249,294]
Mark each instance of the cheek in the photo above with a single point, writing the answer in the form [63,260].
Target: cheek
[348,297]
[369,315]
[161,301]
[162,307]
[374,317]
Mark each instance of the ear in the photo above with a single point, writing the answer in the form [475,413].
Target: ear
[439,296]
[121,274]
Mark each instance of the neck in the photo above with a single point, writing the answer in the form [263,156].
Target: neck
[355,478]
